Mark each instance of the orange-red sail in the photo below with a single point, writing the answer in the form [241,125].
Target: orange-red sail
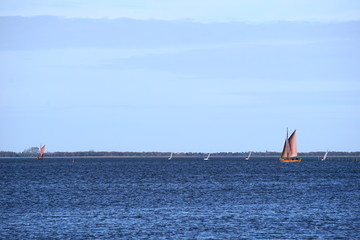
[285,151]
[290,149]
[42,151]
[292,143]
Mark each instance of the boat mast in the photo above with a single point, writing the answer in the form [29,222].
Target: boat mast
[287,144]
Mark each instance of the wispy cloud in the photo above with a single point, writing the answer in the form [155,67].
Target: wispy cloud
[47,32]
[200,10]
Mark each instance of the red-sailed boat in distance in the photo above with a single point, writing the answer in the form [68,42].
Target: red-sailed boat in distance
[289,153]
[42,151]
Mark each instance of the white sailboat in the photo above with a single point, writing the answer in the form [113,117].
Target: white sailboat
[170,156]
[207,158]
[325,156]
[248,157]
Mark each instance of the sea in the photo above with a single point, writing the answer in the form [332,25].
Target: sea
[182,198]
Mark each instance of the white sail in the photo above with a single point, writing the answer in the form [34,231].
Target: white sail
[325,156]
[170,156]
[207,158]
[248,157]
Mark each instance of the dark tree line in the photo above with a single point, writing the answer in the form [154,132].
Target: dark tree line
[34,154]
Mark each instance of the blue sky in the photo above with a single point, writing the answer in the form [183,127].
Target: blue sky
[199,10]
[135,76]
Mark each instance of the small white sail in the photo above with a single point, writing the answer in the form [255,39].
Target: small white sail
[207,158]
[248,157]
[325,156]
[170,156]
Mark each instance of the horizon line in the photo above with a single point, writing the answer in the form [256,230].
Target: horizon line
[185,152]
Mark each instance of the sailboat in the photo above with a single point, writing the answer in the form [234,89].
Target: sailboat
[248,157]
[289,153]
[170,156]
[325,156]
[207,158]
[42,151]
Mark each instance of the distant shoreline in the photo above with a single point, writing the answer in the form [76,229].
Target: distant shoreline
[179,156]
[104,154]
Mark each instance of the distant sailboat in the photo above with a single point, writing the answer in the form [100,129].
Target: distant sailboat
[207,158]
[325,156]
[248,157]
[170,156]
[289,153]
[42,151]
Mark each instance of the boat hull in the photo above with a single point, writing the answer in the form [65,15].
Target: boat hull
[290,160]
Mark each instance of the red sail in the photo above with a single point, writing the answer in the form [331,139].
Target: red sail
[292,143]
[42,151]
[285,151]
[290,149]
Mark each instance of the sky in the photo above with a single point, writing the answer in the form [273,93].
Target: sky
[179,76]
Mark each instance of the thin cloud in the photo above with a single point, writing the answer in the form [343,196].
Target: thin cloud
[211,11]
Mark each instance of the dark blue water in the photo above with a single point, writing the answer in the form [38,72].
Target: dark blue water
[185,198]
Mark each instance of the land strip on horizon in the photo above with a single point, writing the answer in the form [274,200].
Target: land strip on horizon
[104,154]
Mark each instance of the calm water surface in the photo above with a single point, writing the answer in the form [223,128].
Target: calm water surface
[185,198]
